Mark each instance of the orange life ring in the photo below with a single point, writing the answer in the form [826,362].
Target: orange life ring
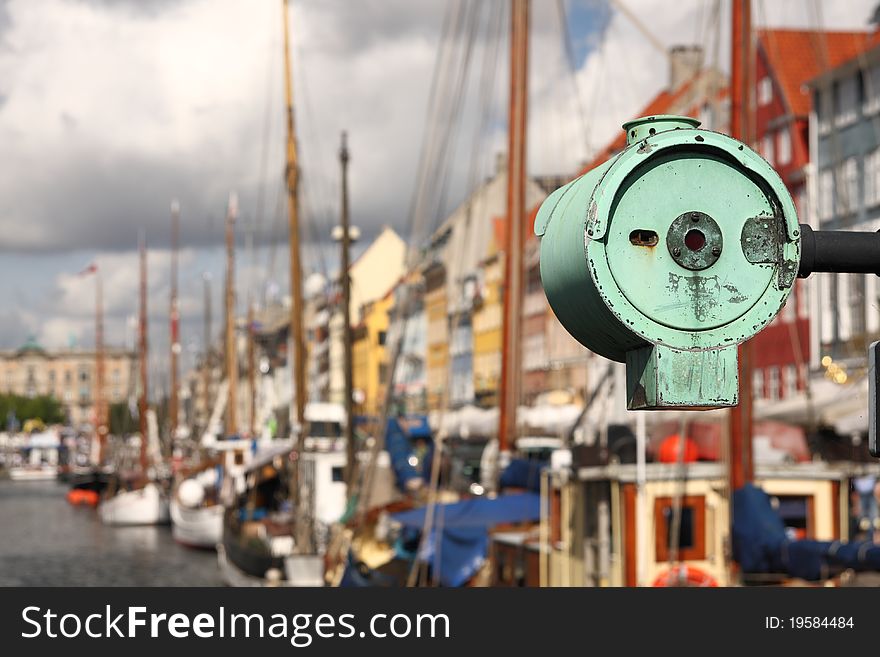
[684,575]
[83,496]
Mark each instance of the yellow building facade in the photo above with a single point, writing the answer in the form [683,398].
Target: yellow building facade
[369,356]
[487,331]
[437,338]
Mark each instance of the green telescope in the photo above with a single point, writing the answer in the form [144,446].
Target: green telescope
[669,255]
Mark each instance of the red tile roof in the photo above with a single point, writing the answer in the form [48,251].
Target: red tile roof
[797,56]
[660,104]
[499,227]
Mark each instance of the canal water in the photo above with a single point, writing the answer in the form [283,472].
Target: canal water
[46,542]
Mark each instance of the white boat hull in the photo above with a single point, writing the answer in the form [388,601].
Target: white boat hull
[301,571]
[33,474]
[145,506]
[199,527]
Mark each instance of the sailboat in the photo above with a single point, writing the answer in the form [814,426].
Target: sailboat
[428,531]
[143,501]
[196,511]
[273,526]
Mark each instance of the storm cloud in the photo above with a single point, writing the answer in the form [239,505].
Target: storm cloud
[109,109]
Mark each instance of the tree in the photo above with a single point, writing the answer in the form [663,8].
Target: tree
[121,421]
[43,407]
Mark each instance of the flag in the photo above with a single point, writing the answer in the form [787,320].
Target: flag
[91,269]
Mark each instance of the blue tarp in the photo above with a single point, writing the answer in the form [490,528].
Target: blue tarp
[523,473]
[760,544]
[359,576]
[758,531]
[399,446]
[464,531]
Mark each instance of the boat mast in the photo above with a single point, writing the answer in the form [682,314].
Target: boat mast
[741,84]
[296,316]
[252,376]
[208,360]
[142,349]
[101,427]
[231,351]
[297,357]
[511,354]
[173,404]
[345,277]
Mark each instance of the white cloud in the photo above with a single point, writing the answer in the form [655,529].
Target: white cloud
[74,299]
[109,114]
[111,111]
[618,79]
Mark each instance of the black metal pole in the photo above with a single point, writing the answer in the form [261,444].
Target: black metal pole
[839,251]
[351,452]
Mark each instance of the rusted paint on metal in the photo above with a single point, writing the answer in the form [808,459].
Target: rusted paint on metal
[700,293]
[661,377]
[688,253]
[763,240]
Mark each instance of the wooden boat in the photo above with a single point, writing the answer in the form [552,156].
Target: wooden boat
[147,505]
[140,501]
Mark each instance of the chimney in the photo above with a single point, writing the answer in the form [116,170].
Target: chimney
[684,63]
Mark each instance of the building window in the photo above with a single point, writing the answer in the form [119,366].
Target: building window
[872,178]
[846,187]
[783,155]
[857,304]
[846,100]
[802,300]
[117,375]
[767,148]
[788,310]
[382,335]
[534,357]
[871,90]
[765,91]
[800,202]
[826,194]
[706,118]
[691,539]
[821,101]
[790,381]
[797,514]
[758,384]
[773,387]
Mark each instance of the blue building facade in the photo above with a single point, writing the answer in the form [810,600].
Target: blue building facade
[845,195]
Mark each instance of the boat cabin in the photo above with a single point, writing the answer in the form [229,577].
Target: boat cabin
[607,526]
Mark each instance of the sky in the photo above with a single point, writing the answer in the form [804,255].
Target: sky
[109,109]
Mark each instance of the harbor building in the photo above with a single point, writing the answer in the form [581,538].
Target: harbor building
[68,375]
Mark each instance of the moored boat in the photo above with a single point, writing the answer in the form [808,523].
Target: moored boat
[196,513]
[41,472]
[200,526]
[142,506]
